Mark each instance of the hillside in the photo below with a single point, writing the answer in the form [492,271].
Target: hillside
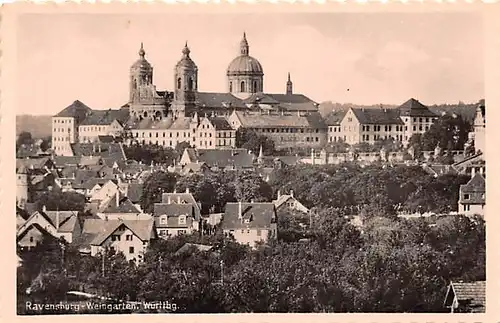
[38,126]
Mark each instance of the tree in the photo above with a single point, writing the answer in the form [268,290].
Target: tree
[45,145]
[180,147]
[154,186]
[24,138]
[250,186]
[62,201]
[449,132]
[148,154]
[251,140]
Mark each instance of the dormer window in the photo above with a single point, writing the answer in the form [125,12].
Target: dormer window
[466,197]
[163,219]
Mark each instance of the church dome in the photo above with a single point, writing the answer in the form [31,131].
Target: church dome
[244,63]
[186,60]
[142,64]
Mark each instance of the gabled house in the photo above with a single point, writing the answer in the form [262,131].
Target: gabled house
[131,237]
[120,207]
[194,168]
[289,201]
[473,196]
[101,190]
[175,219]
[59,224]
[250,223]
[466,297]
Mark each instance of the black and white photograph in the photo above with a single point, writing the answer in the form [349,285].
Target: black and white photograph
[250,162]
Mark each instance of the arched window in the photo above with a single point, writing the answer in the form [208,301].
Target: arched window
[190,84]
[242,86]
[135,84]
[254,86]
[179,83]
[230,86]
[145,114]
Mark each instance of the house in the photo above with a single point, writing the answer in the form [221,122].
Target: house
[472,198]
[215,159]
[215,133]
[101,189]
[100,123]
[65,126]
[289,201]
[175,219]
[131,237]
[194,168]
[120,207]
[417,118]
[40,164]
[110,153]
[333,122]
[59,224]
[471,164]
[436,170]
[466,297]
[250,223]
[371,124]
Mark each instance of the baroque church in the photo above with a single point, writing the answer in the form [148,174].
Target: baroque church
[245,91]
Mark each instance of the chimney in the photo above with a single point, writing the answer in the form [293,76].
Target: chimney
[178,200]
[117,198]
[291,193]
[279,194]
[187,190]
[473,172]
[239,210]
[44,209]
[99,147]
[168,200]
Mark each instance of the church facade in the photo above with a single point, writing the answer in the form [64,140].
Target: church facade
[184,114]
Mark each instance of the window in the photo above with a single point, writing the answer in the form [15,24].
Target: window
[179,83]
[129,237]
[130,249]
[115,238]
[349,119]
[31,239]
[230,86]
[248,231]
[466,197]
[242,231]
[190,84]
[182,231]
[242,86]
[163,219]
[467,207]
[182,219]
[254,86]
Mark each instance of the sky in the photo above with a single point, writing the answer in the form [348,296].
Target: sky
[360,58]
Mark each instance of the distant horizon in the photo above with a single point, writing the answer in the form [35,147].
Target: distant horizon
[337,57]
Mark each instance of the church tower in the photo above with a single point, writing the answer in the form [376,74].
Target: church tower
[144,100]
[22,186]
[186,85]
[141,74]
[289,86]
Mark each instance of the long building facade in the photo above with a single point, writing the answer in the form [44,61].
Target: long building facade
[210,119]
